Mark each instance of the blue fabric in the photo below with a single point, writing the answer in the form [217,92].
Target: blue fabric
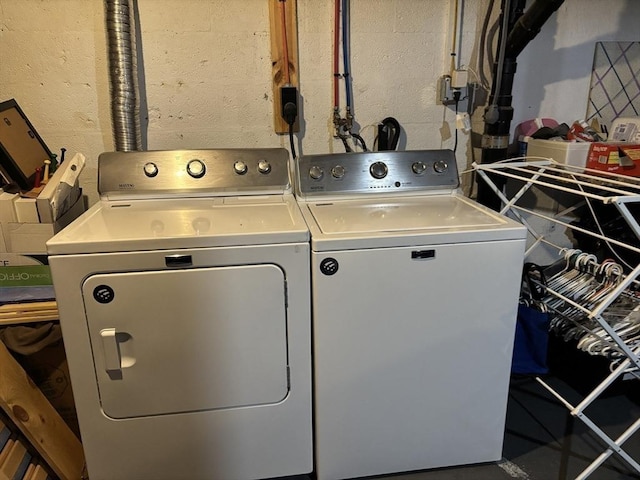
[531,342]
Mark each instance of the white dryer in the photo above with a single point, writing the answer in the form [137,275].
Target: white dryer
[414,293]
[184,306]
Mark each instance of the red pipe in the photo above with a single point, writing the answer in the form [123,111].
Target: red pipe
[285,42]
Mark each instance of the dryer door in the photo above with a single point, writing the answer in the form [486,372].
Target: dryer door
[188,340]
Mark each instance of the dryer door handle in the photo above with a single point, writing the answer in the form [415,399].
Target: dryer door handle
[111,350]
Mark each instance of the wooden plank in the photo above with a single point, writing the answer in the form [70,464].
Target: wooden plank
[277,57]
[12,314]
[29,307]
[20,318]
[43,427]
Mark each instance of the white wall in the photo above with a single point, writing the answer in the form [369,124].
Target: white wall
[208,70]
[554,71]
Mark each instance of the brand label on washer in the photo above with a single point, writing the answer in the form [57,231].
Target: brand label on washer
[329,266]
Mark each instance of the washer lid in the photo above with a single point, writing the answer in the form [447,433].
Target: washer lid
[398,221]
[182,223]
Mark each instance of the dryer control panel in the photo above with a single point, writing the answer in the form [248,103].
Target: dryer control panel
[377,172]
[175,173]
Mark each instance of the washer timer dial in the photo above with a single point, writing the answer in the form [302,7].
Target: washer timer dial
[378,170]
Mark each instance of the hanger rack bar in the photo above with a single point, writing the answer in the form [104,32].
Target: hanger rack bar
[521,170]
[576,228]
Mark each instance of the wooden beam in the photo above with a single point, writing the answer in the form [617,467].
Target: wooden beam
[278,76]
[38,421]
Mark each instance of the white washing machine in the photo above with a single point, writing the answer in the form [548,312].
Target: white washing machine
[414,293]
[184,305]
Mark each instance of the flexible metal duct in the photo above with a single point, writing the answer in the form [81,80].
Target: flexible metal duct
[123,68]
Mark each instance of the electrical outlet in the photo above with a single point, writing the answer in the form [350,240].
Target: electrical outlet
[446,91]
[289,103]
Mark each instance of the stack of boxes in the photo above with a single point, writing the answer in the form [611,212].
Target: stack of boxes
[620,154]
[28,220]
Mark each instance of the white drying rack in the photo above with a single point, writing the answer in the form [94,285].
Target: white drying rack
[589,185]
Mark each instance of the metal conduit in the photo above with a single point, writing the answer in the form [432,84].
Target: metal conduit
[123,78]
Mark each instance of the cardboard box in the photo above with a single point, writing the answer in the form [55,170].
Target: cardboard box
[605,156]
[26,283]
[16,259]
[61,191]
[32,237]
[566,152]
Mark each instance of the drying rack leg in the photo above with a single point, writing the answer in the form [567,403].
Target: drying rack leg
[607,453]
[614,446]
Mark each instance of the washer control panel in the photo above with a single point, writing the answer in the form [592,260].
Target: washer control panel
[377,172]
[193,172]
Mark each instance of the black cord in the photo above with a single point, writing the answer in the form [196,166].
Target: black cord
[391,128]
[361,140]
[483,39]
[347,148]
[290,112]
[455,144]
[293,147]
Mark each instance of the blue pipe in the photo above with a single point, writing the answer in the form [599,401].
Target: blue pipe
[345,52]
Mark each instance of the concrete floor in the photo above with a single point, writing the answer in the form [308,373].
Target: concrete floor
[543,441]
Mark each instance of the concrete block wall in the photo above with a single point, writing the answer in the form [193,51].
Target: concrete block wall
[208,70]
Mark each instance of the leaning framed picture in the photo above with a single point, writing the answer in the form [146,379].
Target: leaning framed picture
[22,150]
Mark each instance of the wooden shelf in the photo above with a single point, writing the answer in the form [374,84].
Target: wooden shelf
[28,408]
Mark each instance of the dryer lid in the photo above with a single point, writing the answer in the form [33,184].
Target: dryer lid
[124,226]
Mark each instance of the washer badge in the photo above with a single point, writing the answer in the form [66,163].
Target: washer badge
[329,266]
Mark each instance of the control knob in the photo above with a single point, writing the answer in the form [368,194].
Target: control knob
[337,171]
[316,172]
[264,166]
[378,170]
[240,167]
[150,169]
[196,168]
[418,168]
[440,166]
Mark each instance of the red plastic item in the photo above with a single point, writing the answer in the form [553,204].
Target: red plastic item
[37,181]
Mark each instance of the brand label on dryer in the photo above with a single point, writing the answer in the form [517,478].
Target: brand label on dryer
[103,294]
